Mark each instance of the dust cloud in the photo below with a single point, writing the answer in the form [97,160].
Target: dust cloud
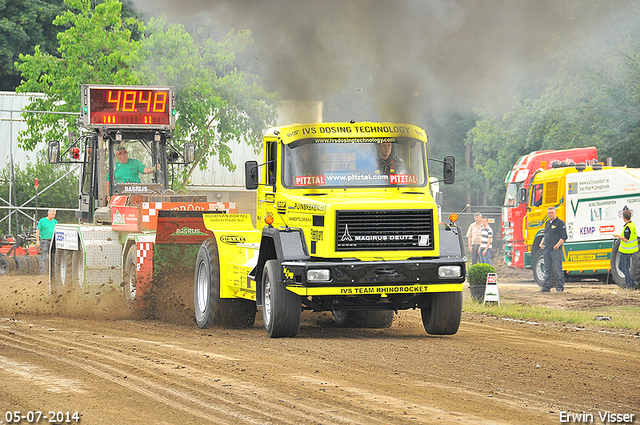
[29,295]
[408,58]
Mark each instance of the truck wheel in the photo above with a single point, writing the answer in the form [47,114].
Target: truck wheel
[371,319]
[77,268]
[281,309]
[635,268]
[7,265]
[538,267]
[442,316]
[341,317]
[62,271]
[210,309]
[616,273]
[130,276]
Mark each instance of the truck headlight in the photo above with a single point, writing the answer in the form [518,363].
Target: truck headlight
[318,275]
[449,271]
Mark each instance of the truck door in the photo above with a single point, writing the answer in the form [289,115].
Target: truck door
[266,191]
[88,186]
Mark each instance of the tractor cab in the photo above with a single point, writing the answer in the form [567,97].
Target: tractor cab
[125,155]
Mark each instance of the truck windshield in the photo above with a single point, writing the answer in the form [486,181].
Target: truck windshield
[387,162]
[511,197]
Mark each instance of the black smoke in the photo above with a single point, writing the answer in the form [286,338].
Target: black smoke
[400,60]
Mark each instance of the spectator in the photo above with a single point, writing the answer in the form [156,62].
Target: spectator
[555,234]
[628,246]
[44,234]
[485,242]
[474,237]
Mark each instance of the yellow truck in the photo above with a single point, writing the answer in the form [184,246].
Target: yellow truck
[590,200]
[345,223]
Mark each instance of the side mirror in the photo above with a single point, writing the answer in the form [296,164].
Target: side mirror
[54,152]
[189,152]
[522,196]
[251,175]
[449,169]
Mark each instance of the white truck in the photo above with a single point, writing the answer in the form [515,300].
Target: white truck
[590,200]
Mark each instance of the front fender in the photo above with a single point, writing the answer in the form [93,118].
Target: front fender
[286,244]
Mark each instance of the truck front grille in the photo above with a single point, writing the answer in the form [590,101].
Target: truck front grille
[384,230]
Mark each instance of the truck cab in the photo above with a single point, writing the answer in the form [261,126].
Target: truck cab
[345,223]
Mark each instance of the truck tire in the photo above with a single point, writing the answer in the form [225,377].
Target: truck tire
[616,274]
[341,317]
[77,268]
[538,267]
[62,271]
[210,309]
[7,265]
[442,316]
[281,309]
[130,276]
[635,268]
[376,319]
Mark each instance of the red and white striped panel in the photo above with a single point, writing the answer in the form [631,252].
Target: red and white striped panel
[150,209]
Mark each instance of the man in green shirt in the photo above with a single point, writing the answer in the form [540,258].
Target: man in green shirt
[129,170]
[44,234]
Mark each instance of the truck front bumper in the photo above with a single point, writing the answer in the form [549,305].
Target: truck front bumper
[412,276]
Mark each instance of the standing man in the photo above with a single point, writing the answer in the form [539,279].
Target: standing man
[474,237]
[44,234]
[555,233]
[628,245]
[486,241]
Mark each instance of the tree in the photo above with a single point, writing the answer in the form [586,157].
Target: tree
[447,136]
[217,103]
[23,25]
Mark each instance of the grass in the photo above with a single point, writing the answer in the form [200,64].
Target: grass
[626,317]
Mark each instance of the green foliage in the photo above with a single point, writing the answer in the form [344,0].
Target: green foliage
[216,102]
[23,25]
[63,194]
[96,49]
[478,273]
[593,100]
[447,136]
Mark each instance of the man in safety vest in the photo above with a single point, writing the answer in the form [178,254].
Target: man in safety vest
[628,245]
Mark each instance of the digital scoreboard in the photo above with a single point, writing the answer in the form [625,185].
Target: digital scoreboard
[128,106]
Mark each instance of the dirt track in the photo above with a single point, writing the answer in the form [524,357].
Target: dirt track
[96,358]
